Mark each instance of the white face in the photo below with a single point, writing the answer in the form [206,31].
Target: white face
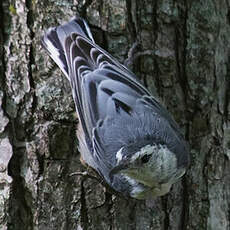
[152,171]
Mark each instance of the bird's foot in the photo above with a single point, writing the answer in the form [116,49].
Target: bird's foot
[133,54]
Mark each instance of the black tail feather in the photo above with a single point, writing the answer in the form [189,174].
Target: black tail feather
[54,40]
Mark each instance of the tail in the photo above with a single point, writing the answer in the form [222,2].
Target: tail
[54,40]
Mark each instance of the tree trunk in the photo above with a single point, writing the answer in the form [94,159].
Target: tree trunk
[185,62]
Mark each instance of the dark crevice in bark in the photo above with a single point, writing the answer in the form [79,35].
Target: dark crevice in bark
[83,10]
[30,19]
[157,81]
[156,76]
[31,80]
[220,110]
[227,91]
[154,20]
[19,205]
[185,208]
[68,180]
[130,23]
[165,207]
[180,53]
[100,35]
[109,202]
[41,163]
[84,209]
[31,62]
[179,64]
[205,173]
[132,30]
[228,13]
[105,41]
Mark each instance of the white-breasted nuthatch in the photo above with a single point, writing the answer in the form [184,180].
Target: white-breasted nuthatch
[124,133]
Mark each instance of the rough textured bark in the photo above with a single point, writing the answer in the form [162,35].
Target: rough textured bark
[187,65]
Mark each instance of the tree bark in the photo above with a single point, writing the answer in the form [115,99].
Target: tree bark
[185,62]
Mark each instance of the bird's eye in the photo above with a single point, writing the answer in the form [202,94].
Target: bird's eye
[145,158]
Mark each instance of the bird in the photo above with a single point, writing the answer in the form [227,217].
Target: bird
[125,134]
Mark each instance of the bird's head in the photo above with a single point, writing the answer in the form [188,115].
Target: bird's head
[150,169]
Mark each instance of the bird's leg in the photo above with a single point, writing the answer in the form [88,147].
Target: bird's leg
[86,174]
[133,54]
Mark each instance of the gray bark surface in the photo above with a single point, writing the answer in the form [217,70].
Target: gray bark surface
[187,65]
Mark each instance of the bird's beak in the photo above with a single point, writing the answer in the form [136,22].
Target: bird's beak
[117,169]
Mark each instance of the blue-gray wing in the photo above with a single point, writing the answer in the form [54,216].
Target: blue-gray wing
[109,99]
